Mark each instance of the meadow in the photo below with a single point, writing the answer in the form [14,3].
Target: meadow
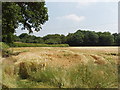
[32,60]
[61,67]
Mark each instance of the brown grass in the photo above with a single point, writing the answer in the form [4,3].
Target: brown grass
[65,56]
[98,59]
[39,58]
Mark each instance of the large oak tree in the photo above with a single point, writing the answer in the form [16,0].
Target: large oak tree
[31,15]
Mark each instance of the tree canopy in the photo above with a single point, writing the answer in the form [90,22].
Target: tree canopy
[31,15]
[79,38]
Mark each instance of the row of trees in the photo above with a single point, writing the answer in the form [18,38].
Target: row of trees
[48,39]
[32,15]
[79,38]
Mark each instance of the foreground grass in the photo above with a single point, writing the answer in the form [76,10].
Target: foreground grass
[61,68]
[80,76]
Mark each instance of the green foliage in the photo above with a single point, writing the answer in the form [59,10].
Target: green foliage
[38,45]
[25,38]
[16,38]
[29,14]
[106,39]
[3,46]
[80,76]
[116,38]
[10,17]
[75,39]
[54,39]
[51,76]
[49,39]
[79,38]
[91,38]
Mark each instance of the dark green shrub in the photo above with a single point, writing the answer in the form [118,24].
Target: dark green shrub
[39,45]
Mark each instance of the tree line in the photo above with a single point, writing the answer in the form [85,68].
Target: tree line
[79,38]
[32,15]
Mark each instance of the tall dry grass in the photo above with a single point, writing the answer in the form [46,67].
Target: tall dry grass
[80,76]
[34,71]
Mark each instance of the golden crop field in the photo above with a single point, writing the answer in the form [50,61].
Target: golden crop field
[61,67]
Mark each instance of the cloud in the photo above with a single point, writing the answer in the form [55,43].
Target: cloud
[73,17]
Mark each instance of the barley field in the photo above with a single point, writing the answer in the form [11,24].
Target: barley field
[61,67]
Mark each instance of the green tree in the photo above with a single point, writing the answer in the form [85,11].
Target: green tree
[10,17]
[63,39]
[106,38]
[69,39]
[23,35]
[31,15]
[39,40]
[75,39]
[53,39]
[16,38]
[116,38]
[90,38]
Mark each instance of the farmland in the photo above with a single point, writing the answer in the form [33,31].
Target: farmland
[61,67]
[76,48]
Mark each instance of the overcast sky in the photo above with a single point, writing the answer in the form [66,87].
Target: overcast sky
[68,17]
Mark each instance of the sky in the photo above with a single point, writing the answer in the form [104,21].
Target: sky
[68,17]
